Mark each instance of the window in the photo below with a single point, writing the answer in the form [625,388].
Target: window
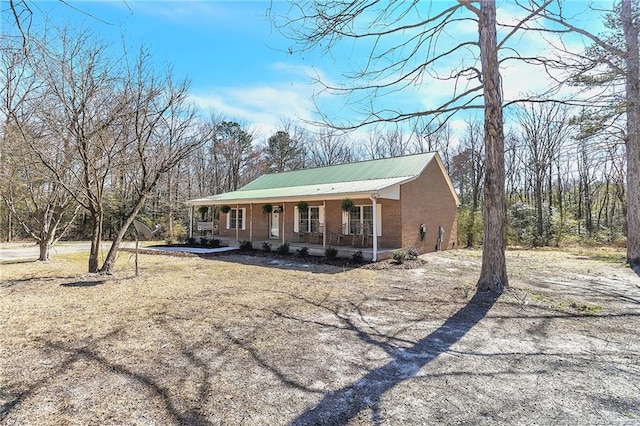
[310,220]
[360,220]
[235,219]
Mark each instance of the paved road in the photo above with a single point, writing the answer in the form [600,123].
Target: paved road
[30,251]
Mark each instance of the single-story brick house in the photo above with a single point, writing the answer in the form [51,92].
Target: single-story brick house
[409,201]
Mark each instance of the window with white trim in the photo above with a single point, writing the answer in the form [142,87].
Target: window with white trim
[360,220]
[236,218]
[310,220]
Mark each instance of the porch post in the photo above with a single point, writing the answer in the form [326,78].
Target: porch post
[251,222]
[191,221]
[374,231]
[238,222]
[213,221]
[283,227]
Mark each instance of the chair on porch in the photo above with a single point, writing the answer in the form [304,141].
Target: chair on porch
[317,237]
[299,237]
[337,236]
[364,238]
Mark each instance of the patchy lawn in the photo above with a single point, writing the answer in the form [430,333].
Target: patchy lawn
[245,340]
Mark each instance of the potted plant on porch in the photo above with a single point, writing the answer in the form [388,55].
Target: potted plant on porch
[347,205]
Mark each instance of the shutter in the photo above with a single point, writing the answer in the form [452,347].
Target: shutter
[379,219]
[345,222]
[296,219]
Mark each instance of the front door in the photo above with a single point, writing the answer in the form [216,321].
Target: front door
[274,227]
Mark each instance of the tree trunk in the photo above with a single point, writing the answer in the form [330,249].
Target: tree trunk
[45,245]
[110,260]
[633,132]
[539,240]
[96,238]
[493,276]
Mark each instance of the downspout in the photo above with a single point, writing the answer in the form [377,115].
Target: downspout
[324,225]
[374,231]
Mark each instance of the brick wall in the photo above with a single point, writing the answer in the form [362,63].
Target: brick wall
[428,200]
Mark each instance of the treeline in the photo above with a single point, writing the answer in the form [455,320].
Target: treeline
[90,141]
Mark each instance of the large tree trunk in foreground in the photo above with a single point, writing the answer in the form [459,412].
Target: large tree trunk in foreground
[633,132]
[493,276]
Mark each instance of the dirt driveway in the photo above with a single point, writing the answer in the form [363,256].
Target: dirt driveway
[239,340]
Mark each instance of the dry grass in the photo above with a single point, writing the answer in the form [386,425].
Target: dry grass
[197,341]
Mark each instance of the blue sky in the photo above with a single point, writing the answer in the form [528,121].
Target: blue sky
[239,64]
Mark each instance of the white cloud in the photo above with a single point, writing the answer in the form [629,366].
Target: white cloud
[261,106]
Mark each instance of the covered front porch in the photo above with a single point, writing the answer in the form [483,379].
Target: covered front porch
[314,249]
[315,223]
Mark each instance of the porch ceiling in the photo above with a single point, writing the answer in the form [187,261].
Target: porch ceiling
[383,188]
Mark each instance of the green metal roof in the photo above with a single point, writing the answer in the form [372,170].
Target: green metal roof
[381,176]
[407,166]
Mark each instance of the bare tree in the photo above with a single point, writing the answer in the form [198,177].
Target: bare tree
[328,147]
[405,50]
[544,129]
[31,193]
[613,58]
[108,118]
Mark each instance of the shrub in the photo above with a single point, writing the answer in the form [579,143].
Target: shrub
[413,253]
[399,256]
[246,245]
[303,252]
[214,243]
[191,241]
[266,247]
[204,241]
[331,253]
[357,257]
[283,249]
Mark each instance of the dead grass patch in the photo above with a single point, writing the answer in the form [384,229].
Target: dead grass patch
[218,341]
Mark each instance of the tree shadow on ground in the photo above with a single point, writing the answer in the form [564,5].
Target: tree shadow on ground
[341,406]
[153,385]
[83,283]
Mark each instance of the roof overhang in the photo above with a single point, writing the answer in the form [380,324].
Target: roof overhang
[378,188]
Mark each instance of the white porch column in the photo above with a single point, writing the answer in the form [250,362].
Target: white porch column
[238,222]
[251,222]
[213,221]
[191,221]
[374,231]
[283,226]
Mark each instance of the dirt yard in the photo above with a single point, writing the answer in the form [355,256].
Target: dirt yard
[257,341]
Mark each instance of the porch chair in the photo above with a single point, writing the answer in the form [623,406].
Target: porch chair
[337,237]
[317,237]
